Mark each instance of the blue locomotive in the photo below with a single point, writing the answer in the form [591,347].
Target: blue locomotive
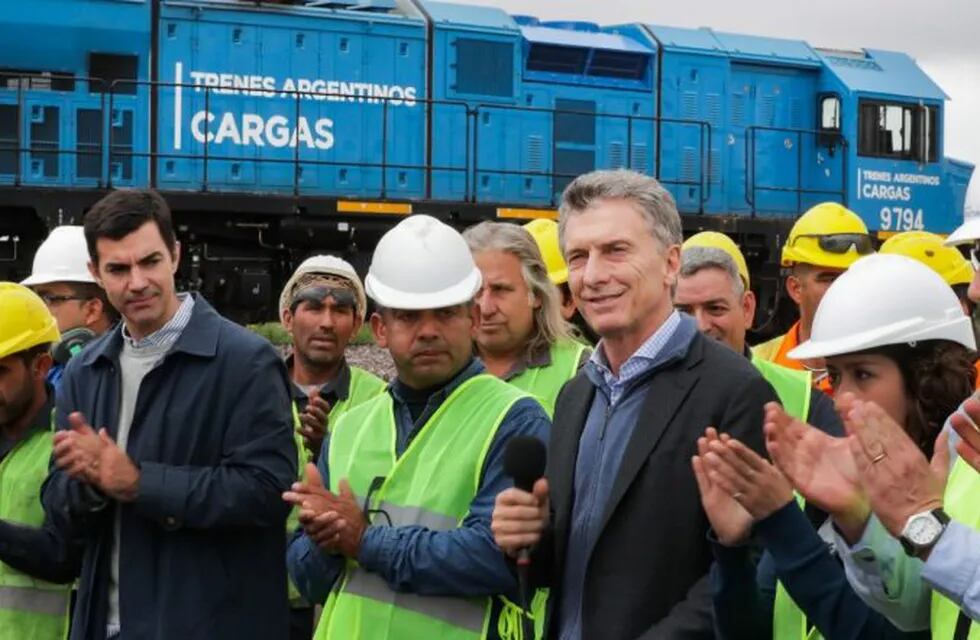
[278,128]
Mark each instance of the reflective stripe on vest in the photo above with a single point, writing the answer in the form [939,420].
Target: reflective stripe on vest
[29,608]
[792,386]
[432,485]
[788,620]
[962,503]
[544,383]
[48,602]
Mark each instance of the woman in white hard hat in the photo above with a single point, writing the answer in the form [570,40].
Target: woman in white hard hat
[893,333]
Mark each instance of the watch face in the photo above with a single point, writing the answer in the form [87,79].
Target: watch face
[923,529]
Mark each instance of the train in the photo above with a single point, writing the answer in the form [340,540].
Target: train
[279,129]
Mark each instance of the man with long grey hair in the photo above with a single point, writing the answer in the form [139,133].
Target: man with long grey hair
[522,336]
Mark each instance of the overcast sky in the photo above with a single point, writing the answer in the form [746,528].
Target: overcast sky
[942,35]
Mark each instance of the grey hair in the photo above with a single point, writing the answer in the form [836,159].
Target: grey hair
[652,200]
[549,326]
[694,259]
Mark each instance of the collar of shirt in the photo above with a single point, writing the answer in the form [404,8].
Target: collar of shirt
[535,360]
[642,360]
[41,422]
[401,393]
[167,335]
[339,386]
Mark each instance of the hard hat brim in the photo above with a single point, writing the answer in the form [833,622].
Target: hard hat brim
[459,293]
[959,330]
[34,280]
[966,233]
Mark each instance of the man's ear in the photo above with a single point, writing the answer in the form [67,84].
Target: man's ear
[41,365]
[92,311]
[794,287]
[379,330]
[176,256]
[748,308]
[286,319]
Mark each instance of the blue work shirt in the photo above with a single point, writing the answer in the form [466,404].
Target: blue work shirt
[462,562]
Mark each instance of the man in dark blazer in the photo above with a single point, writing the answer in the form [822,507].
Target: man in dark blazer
[617,527]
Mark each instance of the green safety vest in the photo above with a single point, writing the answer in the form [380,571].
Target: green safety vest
[431,485]
[962,503]
[29,608]
[544,383]
[788,620]
[363,386]
[792,386]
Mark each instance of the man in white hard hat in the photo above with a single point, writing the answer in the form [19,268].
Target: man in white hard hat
[61,277]
[523,338]
[916,561]
[401,540]
[322,306]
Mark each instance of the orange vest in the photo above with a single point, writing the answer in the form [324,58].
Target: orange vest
[775,350]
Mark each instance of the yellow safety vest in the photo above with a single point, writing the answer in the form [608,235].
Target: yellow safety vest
[432,485]
[30,609]
[544,383]
[961,503]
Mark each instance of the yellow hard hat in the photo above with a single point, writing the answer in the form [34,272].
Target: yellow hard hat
[928,249]
[25,321]
[828,235]
[715,240]
[545,233]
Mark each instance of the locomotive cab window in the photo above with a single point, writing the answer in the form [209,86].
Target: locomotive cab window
[830,113]
[898,130]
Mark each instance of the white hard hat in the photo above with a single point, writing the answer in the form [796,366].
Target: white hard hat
[885,299]
[966,233]
[328,266]
[62,257]
[422,263]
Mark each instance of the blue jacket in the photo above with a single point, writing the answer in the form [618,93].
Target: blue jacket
[465,561]
[201,553]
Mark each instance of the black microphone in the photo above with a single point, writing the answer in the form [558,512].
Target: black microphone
[524,461]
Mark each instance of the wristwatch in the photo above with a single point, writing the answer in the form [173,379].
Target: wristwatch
[922,531]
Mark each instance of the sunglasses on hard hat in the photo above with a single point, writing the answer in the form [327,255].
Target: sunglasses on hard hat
[842,242]
[343,298]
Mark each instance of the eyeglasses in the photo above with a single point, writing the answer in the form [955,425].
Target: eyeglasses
[343,298]
[975,255]
[51,299]
[842,242]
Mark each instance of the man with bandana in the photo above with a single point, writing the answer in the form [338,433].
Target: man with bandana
[322,307]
